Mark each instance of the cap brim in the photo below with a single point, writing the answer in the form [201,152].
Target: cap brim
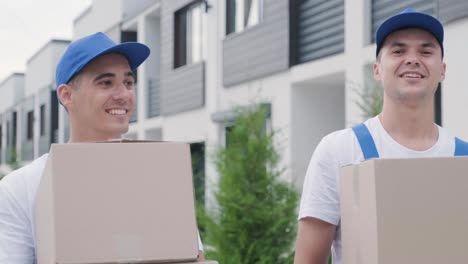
[136,53]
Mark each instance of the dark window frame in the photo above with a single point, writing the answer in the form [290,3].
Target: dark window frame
[1,136]
[231,15]
[14,122]
[198,154]
[182,40]
[42,111]
[129,36]
[438,105]
[8,141]
[30,125]
[54,117]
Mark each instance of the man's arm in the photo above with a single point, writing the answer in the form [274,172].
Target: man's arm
[314,240]
[16,242]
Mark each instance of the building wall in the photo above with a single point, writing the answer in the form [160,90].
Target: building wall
[2,138]
[40,68]
[186,127]
[10,144]
[451,10]
[454,87]
[152,68]
[148,31]
[26,145]
[312,101]
[357,31]
[102,15]
[182,89]
[43,141]
[19,84]
[317,29]
[260,50]
[11,91]
[11,97]
[133,8]
[39,83]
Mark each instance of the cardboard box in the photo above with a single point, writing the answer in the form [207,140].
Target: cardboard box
[117,203]
[405,211]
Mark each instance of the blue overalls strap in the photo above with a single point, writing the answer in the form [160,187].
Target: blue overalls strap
[461,147]
[366,141]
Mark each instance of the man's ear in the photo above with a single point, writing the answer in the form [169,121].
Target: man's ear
[65,93]
[376,71]
[442,76]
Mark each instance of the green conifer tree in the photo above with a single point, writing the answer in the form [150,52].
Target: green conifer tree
[255,217]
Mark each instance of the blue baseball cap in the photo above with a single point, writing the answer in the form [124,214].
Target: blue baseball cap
[82,51]
[410,18]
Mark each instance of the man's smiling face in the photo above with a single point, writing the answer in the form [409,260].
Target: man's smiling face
[410,65]
[103,100]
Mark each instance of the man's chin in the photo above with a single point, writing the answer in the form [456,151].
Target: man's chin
[117,131]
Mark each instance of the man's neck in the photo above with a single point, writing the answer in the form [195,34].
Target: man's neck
[87,136]
[412,127]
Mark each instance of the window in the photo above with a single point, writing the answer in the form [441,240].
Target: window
[8,133]
[29,134]
[43,120]
[189,34]
[129,36]
[54,120]
[197,151]
[241,14]
[14,129]
[438,106]
[228,135]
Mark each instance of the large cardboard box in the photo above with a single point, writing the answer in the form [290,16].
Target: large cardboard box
[116,202]
[405,211]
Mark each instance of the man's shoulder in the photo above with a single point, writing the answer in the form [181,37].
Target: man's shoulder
[347,135]
[341,146]
[339,138]
[28,175]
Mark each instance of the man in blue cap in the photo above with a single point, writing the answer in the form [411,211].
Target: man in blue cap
[410,66]
[96,84]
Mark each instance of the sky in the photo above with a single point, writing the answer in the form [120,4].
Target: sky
[27,25]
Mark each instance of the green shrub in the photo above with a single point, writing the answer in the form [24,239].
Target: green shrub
[255,217]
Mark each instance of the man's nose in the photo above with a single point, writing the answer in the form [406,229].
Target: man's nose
[412,58]
[122,92]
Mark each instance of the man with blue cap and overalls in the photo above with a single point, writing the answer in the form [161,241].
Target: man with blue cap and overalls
[410,67]
[96,84]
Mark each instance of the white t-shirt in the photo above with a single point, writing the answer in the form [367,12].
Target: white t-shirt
[17,213]
[320,195]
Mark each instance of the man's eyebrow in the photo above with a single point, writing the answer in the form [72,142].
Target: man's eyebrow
[398,44]
[424,45]
[104,75]
[429,45]
[131,74]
